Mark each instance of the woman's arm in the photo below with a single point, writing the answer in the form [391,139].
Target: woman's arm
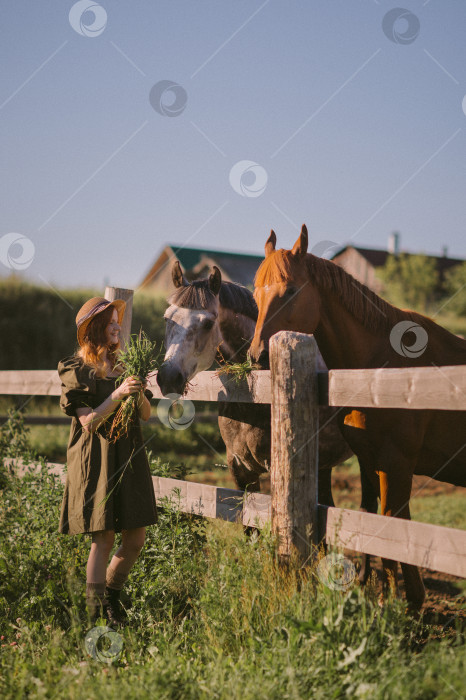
[92,418]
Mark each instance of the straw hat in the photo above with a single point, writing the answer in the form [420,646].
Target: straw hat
[93,307]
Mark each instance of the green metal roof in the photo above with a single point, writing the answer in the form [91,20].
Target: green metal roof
[189,257]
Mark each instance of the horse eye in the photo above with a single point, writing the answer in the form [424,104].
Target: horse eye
[207,325]
[290,292]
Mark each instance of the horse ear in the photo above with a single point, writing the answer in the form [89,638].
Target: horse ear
[179,280]
[270,243]
[215,280]
[300,247]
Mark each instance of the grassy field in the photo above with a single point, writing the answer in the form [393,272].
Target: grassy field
[214,615]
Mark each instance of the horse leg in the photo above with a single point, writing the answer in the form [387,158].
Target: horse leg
[415,591]
[325,497]
[395,490]
[369,504]
[390,568]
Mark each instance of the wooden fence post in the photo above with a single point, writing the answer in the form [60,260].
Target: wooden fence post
[112,293]
[294,464]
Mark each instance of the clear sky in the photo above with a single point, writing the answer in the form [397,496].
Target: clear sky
[352,119]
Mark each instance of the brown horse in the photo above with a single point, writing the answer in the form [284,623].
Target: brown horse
[355,328]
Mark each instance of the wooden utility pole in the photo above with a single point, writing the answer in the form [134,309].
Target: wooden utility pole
[295,424]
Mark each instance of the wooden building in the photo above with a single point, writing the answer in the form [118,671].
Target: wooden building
[197,263]
[363,263]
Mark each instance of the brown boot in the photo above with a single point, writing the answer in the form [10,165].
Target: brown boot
[114,610]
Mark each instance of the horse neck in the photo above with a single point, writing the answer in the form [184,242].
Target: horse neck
[343,340]
[237,332]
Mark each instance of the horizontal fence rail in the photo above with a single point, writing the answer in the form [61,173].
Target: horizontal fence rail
[436,388]
[439,388]
[206,386]
[46,419]
[190,497]
[432,547]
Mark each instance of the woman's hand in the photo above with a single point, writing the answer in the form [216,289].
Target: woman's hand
[131,385]
[143,404]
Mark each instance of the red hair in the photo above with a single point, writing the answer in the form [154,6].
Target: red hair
[95,344]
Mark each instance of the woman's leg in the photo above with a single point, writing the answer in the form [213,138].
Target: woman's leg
[117,572]
[132,542]
[102,543]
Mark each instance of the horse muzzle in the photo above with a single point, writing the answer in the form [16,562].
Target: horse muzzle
[170,379]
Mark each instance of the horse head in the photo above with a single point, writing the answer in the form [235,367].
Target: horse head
[286,298]
[192,333]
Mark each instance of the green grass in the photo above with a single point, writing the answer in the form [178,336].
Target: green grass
[214,615]
[50,441]
[452,322]
[447,510]
[237,371]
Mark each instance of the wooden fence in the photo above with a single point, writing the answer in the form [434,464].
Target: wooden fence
[295,391]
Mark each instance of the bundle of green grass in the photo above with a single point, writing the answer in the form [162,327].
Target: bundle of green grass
[237,370]
[138,360]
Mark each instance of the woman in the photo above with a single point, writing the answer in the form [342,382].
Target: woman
[108,487]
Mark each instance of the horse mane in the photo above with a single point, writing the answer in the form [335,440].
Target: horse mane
[195,295]
[198,295]
[238,299]
[366,306]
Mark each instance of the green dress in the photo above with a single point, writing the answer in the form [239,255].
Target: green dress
[108,485]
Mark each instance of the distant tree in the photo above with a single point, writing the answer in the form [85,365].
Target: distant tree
[455,287]
[411,281]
